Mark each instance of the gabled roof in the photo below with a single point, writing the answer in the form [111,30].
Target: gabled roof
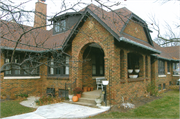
[114,22]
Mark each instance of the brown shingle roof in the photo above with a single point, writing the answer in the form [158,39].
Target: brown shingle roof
[168,52]
[43,39]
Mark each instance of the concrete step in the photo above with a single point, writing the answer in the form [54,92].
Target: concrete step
[83,103]
[87,100]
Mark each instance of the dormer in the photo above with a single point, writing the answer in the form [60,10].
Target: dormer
[64,22]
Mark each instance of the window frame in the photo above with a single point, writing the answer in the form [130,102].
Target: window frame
[62,70]
[17,59]
[60,26]
[98,64]
[161,67]
[168,66]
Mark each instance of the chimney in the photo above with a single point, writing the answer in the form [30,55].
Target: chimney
[40,14]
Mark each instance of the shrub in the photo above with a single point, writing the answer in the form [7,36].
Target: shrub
[152,89]
[77,90]
[48,100]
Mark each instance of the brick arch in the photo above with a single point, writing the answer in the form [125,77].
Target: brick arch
[86,44]
[79,56]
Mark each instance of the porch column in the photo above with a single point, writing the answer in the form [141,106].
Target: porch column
[125,63]
[76,71]
[142,66]
[154,70]
[148,67]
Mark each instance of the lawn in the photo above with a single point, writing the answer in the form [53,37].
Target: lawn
[12,107]
[166,107]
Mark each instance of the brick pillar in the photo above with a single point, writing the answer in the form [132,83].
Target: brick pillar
[142,63]
[2,74]
[149,67]
[154,69]
[125,63]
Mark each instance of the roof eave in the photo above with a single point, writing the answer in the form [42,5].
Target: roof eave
[26,50]
[169,59]
[138,44]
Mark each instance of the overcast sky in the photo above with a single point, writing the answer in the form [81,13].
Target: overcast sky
[169,12]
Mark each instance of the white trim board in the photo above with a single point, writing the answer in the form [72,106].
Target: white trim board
[23,77]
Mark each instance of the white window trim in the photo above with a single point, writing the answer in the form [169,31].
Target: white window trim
[161,75]
[23,77]
[168,72]
[176,75]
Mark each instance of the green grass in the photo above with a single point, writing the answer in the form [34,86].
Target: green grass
[166,107]
[11,107]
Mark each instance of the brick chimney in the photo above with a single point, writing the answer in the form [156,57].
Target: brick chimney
[40,14]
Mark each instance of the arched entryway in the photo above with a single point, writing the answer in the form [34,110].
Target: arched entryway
[89,65]
[93,65]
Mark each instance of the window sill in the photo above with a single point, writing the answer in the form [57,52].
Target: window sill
[168,73]
[94,77]
[58,77]
[134,80]
[22,77]
[161,75]
[176,75]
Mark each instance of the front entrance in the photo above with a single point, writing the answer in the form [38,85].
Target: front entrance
[93,65]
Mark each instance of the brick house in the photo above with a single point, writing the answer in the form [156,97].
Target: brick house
[100,44]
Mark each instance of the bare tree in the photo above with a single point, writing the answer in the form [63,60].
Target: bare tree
[15,33]
[167,35]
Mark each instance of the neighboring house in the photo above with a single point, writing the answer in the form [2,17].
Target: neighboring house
[100,44]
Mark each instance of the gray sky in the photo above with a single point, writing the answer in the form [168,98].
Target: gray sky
[169,12]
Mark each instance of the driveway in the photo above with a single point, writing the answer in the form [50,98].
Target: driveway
[61,110]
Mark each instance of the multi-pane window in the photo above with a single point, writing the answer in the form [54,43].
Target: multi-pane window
[97,65]
[60,26]
[27,68]
[176,70]
[57,67]
[161,68]
[8,71]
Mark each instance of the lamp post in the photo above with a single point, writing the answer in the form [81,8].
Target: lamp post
[105,83]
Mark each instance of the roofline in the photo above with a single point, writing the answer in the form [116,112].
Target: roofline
[87,10]
[165,58]
[34,51]
[138,44]
[65,14]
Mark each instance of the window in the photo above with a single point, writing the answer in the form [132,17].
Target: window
[176,70]
[133,61]
[97,65]
[170,83]
[15,70]
[159,87]
[8,72]
[164,86]
[161,68]
[59,67]
[168,66]
[60,26]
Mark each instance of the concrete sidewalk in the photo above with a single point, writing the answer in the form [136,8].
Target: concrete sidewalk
[61,110]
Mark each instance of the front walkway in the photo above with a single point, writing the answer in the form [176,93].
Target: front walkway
[61,110]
